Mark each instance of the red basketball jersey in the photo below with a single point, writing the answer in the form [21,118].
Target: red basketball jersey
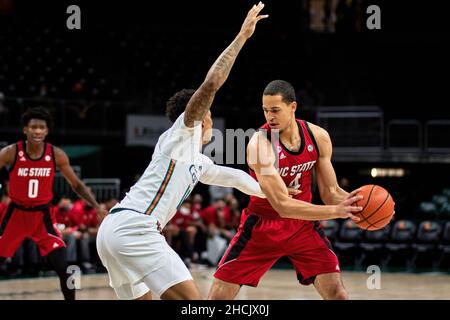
[31,180]
[295,169]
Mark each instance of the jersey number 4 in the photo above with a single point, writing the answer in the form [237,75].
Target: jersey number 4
[295,184]
[33,187]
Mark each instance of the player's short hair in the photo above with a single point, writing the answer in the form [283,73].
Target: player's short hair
[177,103]
[282,88]
[39,113]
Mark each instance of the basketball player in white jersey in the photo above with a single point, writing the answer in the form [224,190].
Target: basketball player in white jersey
[130,244]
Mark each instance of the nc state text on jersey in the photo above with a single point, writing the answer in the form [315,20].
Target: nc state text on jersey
[34,172]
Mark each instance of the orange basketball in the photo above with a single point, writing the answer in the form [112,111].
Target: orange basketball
[378,207]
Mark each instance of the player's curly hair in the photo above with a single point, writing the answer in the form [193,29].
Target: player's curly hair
[282,88]
[177,103]
[39,113]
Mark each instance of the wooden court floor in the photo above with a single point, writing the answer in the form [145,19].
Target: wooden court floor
[276,284]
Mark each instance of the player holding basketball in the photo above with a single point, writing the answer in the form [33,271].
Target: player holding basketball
[279,226]
[32,164]
[138,259]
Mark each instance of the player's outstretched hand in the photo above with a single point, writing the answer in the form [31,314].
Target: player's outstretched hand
[346,209]
[249,25]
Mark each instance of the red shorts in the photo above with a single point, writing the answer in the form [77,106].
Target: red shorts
[260,242]
[16,225]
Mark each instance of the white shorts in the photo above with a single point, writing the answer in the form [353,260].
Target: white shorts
[137,256]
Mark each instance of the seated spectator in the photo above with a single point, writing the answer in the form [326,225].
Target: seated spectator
[201,235]
[78,225]
[197,203]
[86,218]
[68,227]
[218,218]
[235,214]
[180,233]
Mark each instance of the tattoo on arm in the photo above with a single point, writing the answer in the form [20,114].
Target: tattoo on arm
[222,67]
[202,99]
[84,193]
[198,106]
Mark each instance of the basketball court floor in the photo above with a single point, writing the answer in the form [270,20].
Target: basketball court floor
[276,285]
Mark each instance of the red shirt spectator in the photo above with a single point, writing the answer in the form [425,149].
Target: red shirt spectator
[183,218]
[64,214]
[84,215]
[211,214]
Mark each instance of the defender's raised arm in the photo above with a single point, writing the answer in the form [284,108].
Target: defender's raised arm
[201,101]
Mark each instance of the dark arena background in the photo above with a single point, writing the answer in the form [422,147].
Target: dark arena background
[382,95]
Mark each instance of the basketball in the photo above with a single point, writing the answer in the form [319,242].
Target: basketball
[378,207]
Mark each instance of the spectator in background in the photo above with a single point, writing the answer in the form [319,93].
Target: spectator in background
[78,225]
[235,213]
[67,225]
[217,217]
[197,203]
[180,233]
[197,222]
[87,222]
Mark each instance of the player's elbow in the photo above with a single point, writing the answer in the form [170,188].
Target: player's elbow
[211,84]
[282,207]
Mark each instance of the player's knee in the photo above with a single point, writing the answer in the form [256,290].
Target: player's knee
[221,290]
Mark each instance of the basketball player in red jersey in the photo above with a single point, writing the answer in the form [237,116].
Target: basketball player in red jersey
[32,164]
[279,226]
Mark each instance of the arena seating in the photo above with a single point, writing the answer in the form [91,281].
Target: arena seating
[444,248]
[348,243]
[373,246]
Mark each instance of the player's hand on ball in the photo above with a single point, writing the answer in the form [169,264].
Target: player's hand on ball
[249,25]
[354,193]
[346,209]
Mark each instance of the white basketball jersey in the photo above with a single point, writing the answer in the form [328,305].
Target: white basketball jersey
[175,169]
